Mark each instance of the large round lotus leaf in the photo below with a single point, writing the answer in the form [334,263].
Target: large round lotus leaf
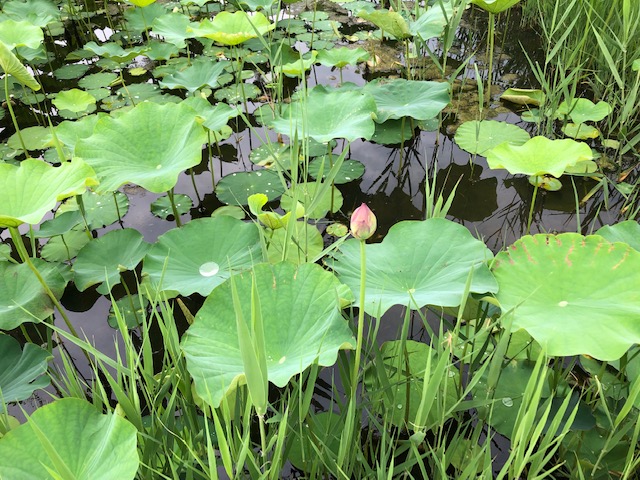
[202,254]
[236,188]
[103,259]
[162,206]
[539,156]
[138,20]
[21,371]
[36,12]
[149,146]
[349,171]
[202,73]
[74,100]
[627,232]
[22,297]
[304,244]
[573,294]
[408,98]
[302,323]
[216,117]
[30,190]
[343,56]
[418,263]
[351,116]
[478,137]
[70,438]
[20,34]
[390,22]
[584,110]
[233,28]
[495,6]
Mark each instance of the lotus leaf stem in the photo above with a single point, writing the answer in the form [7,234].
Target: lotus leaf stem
[13,115]
[174,209]
[533,203]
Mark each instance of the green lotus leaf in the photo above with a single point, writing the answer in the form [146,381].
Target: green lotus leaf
[29,191]
[114,51]
[417,264]
[299,66]
[20,34]
[523,96]
[69,132]
[132,309]
[399,98]
[236,188]
[255,5]
[390,22]
[62,223]
[70,438]
[162,206]
[352,114]
[495,6]
[432,22]
[74,100]
[546,182]
[141,3]
[305,193]
[201,73]
[539,156]
[304,245]
[12,66]
[627,232]
[35,138]
[270,154]
[36,12]
[302,323]
[103,259]
[128,149]
[571,293]
[139,20]
[584,110]
[161,50]
[173,28]
[22,297]
[393,132]
[21,371]
[63,248]
[404,390]
[98,80]
[233,28]
[71,71]
[237,92]
[343,56]
[100,210]
[327,426]
[478,137]
[580,131]
[202,254]
[215,117]
[349,171]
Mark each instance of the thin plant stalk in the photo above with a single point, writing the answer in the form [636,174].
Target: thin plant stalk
[13,115]
[533,204]
[174,209]
[358,354]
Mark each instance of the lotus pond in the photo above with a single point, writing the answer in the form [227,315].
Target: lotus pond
[262,239]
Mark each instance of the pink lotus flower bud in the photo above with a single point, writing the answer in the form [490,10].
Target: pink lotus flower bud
[363,222]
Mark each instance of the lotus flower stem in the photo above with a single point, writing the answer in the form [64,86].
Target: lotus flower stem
[360,335]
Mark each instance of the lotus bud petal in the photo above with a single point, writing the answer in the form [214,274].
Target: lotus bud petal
[363,222]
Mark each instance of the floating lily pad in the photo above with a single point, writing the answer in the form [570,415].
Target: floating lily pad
[70,438]
[202,254]
[394,132]
[627,232]
[22,297]
[128,149]
[235,188]
[523,96]
[74,100]
[571,293]
[237,92]
[103,259]
[477,137]
[22,371]
[101,210]
[202,73]
[305,193]
[35,138]
[230,211]
[302,325]
[131,308]
[71,72]
[63,248]
[349,171]
[271,154]
[29,191]
[351,116]
[97,80]
[584,110]
[233,28]
[539,156]
[304,245]
[408,98]
[417,264]
[162,206]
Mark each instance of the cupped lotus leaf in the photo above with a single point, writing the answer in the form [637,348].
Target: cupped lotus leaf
[233,28]
[30,190]
[20,34]
[349,171]
[479,136]
[399,98]
[74,100]
[539,156]
[202,254]
[302,324]
[114,51]
[70,438]
[202,73]
[299,66]
[236,188]
[495,6]
[627,232]
[523,96]
[22,371]
[128,149]
[173,28]
[343,56]
[573,294]
[215,117]
[390,22]
[582,110]
[418,263]
[22,297]
[352,114]
[12,66]
[304,244]
[433,21]
[103,259]
[305,193]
